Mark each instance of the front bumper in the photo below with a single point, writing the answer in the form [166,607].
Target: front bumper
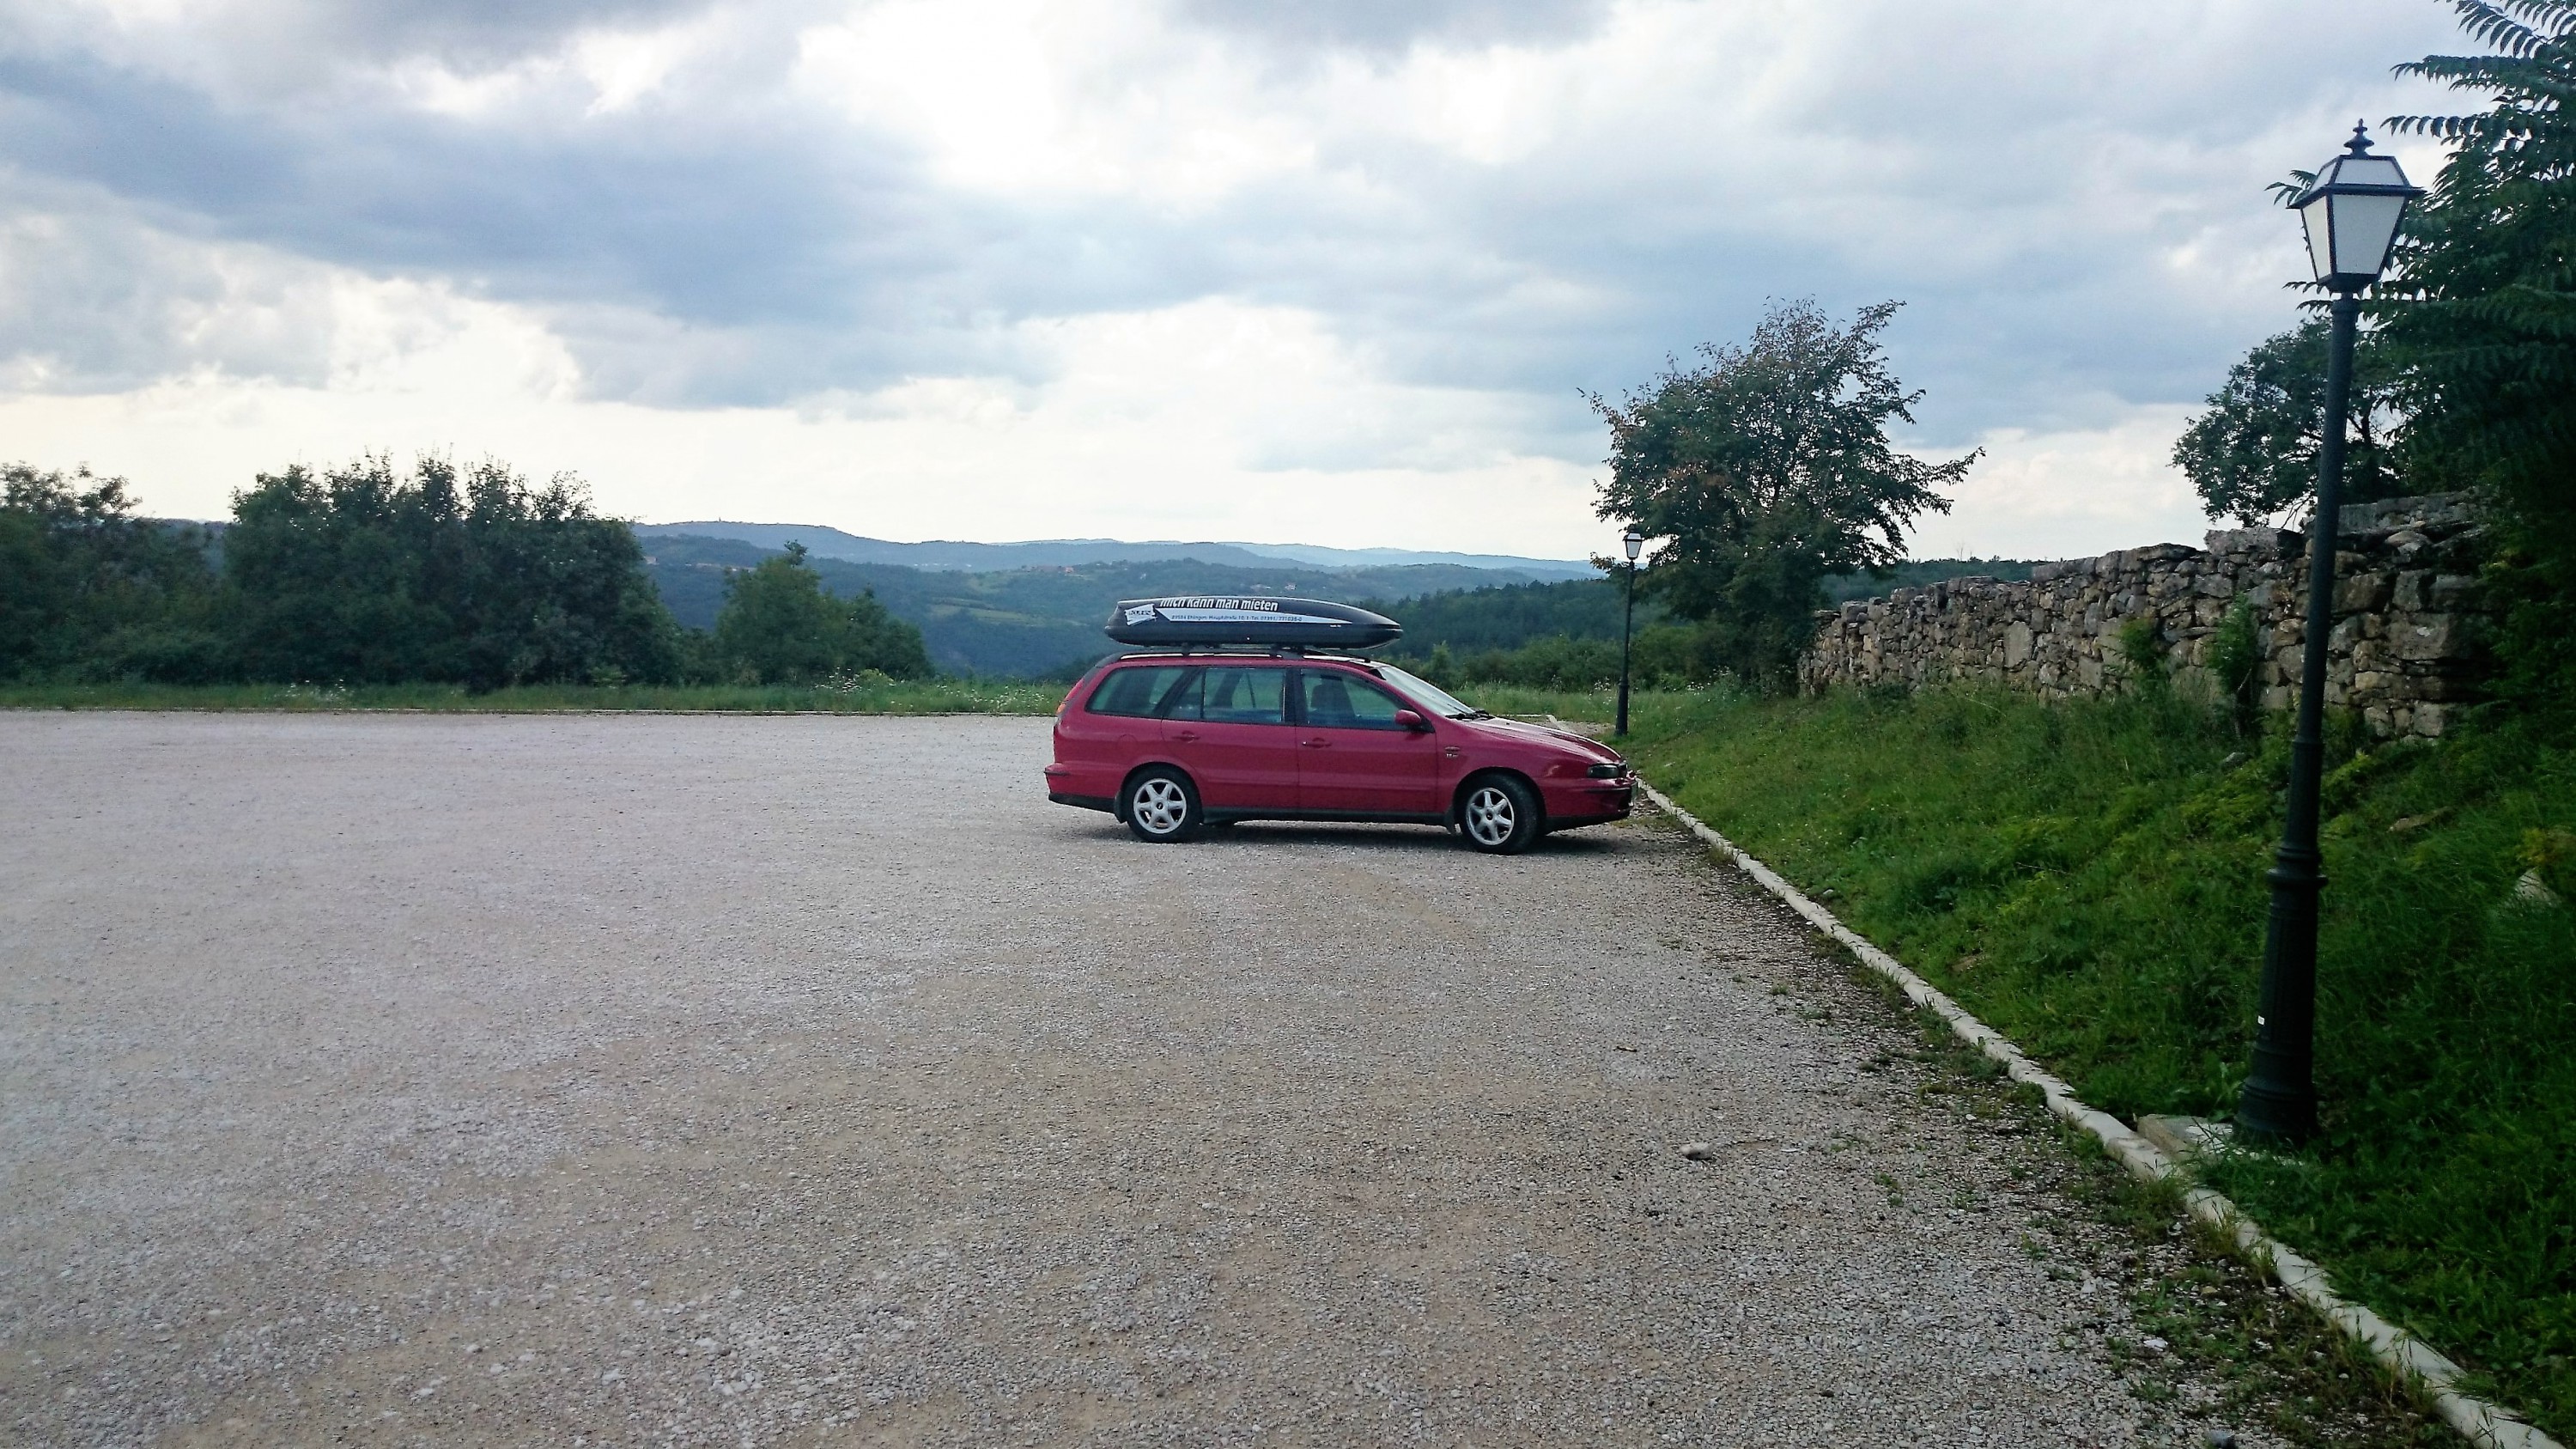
[1588,802]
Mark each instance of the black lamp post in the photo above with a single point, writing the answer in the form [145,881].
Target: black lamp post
[1635,543]
[2351,212]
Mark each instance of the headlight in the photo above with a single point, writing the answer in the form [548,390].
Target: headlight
[1610,771]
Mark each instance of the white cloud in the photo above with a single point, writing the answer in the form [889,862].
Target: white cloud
[1212,419]
[1019,267]
[2070,494]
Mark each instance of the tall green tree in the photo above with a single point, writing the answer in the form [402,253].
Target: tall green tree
[479,578]
[89,591]
[1764,470]
[2252,453]
[2482,312]
[780,627]
[2480,316]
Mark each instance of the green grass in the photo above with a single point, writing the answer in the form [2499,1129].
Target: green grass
[947,696]
[2088,877]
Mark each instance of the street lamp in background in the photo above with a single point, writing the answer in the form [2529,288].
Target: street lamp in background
[1635,543]
[2351,212]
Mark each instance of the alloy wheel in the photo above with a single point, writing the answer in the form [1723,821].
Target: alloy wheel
[1491,815]
[1160,806]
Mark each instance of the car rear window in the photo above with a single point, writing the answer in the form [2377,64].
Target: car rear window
[1143,692]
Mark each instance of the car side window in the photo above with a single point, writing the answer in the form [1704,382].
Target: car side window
[1336,701]
[1140,692]
[1235,695]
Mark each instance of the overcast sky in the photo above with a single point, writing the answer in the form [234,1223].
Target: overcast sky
[1337,272]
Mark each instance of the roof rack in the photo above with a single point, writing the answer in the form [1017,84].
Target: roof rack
[1248,651]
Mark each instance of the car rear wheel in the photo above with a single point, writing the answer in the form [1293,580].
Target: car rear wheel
[1500,815]
[1160,806]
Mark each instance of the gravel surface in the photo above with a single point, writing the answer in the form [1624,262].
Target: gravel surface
[736,1080]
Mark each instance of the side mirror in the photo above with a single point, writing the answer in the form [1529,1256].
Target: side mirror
[1411,720]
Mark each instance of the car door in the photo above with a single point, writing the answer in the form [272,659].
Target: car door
[1231,733]
[1353,756]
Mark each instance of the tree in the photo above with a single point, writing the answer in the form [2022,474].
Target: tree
[1764,471]
[2252,456]
[2481,316]
[780,627]
[88,590]
[484,580]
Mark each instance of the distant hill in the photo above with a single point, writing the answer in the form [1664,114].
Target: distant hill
[942,555]
[1026,621]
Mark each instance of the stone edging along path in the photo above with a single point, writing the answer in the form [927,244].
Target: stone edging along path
[2408,1356]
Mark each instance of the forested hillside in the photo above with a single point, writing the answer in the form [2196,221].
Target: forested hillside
[1031,621]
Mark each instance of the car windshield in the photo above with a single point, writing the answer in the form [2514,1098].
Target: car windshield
[1423,692]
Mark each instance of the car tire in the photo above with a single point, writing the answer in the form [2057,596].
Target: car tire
[1500,815]
[1160,806]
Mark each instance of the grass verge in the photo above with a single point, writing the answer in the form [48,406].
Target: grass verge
[2088,878]
[946,696]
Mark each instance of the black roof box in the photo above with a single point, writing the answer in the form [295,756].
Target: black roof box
[1212,621]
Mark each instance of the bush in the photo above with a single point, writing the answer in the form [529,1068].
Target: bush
[357,575]
[780,627]
[89,591]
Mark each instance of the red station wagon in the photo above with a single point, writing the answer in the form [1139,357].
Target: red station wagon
[1174,742]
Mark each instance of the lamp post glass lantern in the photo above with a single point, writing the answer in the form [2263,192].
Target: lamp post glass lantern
[1635,543]
[2351,212]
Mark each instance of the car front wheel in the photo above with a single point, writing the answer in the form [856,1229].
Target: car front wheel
[1161,807]
[1500,815]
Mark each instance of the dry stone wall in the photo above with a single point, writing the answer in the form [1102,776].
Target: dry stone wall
[2405,650]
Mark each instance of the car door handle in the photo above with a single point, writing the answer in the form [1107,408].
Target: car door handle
[1317,744]
[1185,736]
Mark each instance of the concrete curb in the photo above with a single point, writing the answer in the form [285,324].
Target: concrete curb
[2403,1353]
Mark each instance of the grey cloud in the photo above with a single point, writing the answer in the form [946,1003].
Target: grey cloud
[92,301]
[468,34]
[1374,25]
[722,245]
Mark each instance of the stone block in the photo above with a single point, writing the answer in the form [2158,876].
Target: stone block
[2253,542]
[2217,586]
[2452,591]
[2420,511]
[2361,592]
[2017,644]
[2435,637]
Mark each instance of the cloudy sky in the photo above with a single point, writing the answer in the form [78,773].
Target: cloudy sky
[1334,272]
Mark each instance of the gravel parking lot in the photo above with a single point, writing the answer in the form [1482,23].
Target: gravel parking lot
[634,1079]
